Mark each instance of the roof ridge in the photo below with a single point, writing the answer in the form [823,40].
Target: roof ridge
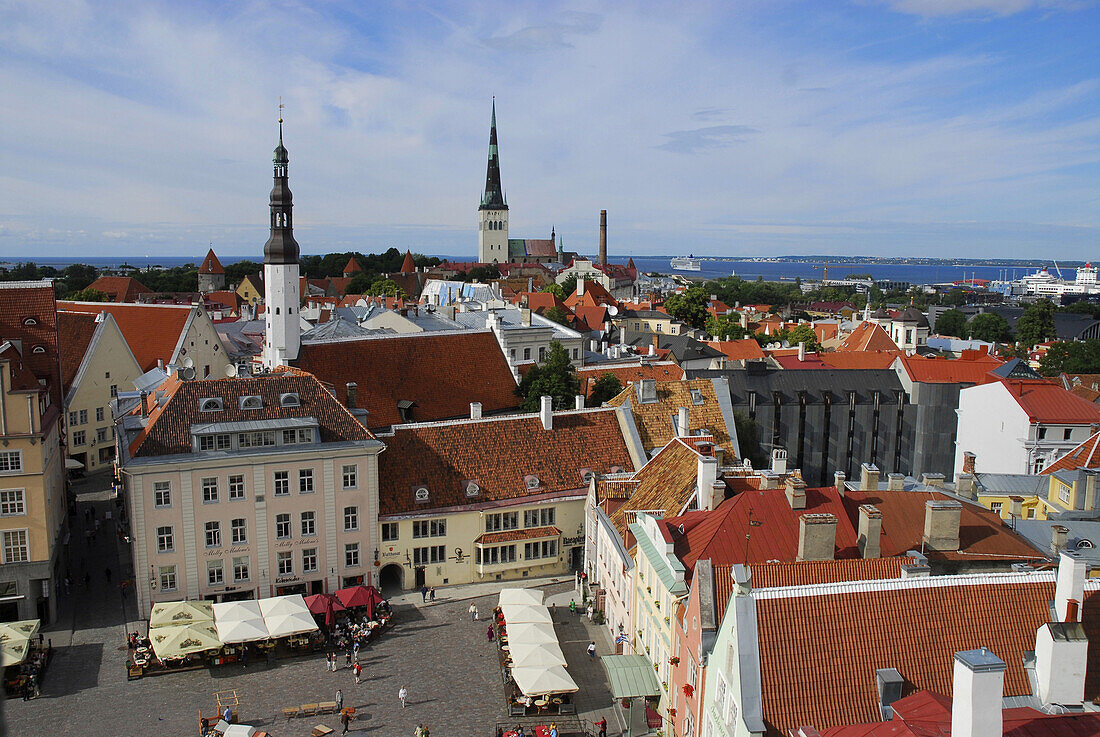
[900,584]
[496,418]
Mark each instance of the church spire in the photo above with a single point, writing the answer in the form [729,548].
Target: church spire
[493,197]
[281,248]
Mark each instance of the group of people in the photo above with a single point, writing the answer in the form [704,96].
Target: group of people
[351,632]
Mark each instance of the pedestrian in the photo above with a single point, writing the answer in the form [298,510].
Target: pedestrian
[204,726]
[431,594]
[358,671]
[491,634]
[572,607]
[68,585]
[334,661]
[345,719]
[328,661]
[591,611]
[403,694]
[602,726]
[355,651]
[473,612]
[227,715]
[592,649]
[28,690]
[339,700]
[553,729]
[347,658]
[107,573]
[244,656]
[423,593]
[427,733]
[419,731]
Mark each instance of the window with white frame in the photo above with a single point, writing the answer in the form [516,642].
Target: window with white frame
[215,442]
[239,530]
[258,439]
[309,523]
[162,494]
[215,572]
[99,414]
[167,578]
[305,481]
[351,519]
[213,531]
[282,527]
[429,528]
[1063,493]
[284,561]
[351,476]
[240,569]
[433,554]
[16,548]
[72,418]
[496,555]
[501,521]
[210,490]
[282,483]
[83,417]
[101,434]
[236,487]
[351,555]
[390,532]
[11,461]
[165,539]
[309,560]
[79,437]
[539,517]
[297,436]
[542,549]
[12,503]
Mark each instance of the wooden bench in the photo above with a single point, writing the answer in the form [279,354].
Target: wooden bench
[308,710]
[326,707]
[290,712]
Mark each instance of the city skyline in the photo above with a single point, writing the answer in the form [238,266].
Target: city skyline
[914,127]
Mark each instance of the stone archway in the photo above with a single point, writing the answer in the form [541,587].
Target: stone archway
[391,579]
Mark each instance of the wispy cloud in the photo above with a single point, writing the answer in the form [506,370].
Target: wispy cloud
[980,8]
[706,139]
[548,36]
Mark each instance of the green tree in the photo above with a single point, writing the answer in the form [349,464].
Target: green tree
[1071,358]
[604,388]
[803,334]
[385,288]
[558,315]
[235,273]
[569,285]
[1036,325]
[951,322]
[88,295]
[689,307]
[482,273]
[724,327]
[555,377]
[361,283]
[554,289]
[990,327]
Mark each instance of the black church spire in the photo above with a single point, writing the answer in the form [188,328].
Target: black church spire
[281,248]
[493,197]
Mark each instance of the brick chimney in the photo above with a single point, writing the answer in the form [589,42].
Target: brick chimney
[964,485]
[682,423]
[870,531]
[895,482]
[603,237]
[1069,591]
[970,460]
[353,394]
[816,536]
[976,695]
[941,524]
[546,412]
[838,481]
[868,477]
[1061,657]
[1058,536]
[796,493]
[475,410]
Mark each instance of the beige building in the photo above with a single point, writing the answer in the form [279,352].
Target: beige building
[251,289]
[96,363]
[33,522]
[246,488]
[488,499]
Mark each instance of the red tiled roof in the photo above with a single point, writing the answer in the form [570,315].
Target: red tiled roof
[635,372]
[352,266]
[74,331]
[211,264]
[499,454]
[1047,402]
[1083,456]
[28,313]
[819,654]
[120,288]
[21,377]
[810,572]
[868,337]
[225,298]
[666,483]
[441,373]
[594,294]
[653,419]
[859,359]
[592,318]
[152,331]
[738,350]
[973,369]
[408,266]
[511,536]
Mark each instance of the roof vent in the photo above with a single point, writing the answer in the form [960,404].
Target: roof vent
[647,391]
[472,488]
[290,399]
[697,396]
[421,493]
[587,474]
[251,402]
[211,404]
[28,321]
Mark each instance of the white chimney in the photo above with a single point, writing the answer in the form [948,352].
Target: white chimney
[895,482]
[868,477]
[941,524]
[1058,536]
[935,480]
[838,481]
[801,352]
[870,531]
[816,536]
[682,423]
[706,474]
[652,350]
[546,413]
[1061,657]
[795,490]
[964,485]
[977,693]
[578,401]
[1069,592]
[475,410]
[580,287]
[779,461]
[525,317]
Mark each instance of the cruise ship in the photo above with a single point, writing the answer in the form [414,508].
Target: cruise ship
[686,263]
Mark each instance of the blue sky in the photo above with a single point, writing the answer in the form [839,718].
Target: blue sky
[893,127]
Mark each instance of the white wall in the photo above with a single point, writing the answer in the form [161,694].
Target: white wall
[994,427]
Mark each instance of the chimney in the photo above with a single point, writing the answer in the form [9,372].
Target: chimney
[1061,656]
[745,320]
[838,481]
[976,696]
[816,536]
[144,405]
[801,352]
[160,364]
[1090,488]
[603,237]
[1058,535]
[768,480]
[941,524]
[895,482]
[525,317]
[652,349]
[935,480]
[647,391]
[578,401]
[706,477]
[546,412]
[868,477]
[964,485]
[969,462]
[779,461]
[1069,592]
[796,493]
[870,531]
[682,423]
[580,286]
[475,410]
[530,284]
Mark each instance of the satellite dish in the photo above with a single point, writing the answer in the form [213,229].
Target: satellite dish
[612,310]
[188,362]
[187,373]
[231,370]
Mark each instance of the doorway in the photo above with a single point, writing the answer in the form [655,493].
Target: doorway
[576,558]
[317,587]
[420,577]
[392,579]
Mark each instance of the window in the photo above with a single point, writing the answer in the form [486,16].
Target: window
[72,418]
[215,573]
[351,519]
[512,353]
[209,490]
[305,481]
[167,578]
[101,434]
[1042,433]
[239,530]
[162,494]
[493,556]
[257,439]
[298,435]
[542,353]
[309,523]
[309,560]
[213,534]
[236,487]
[502,521]
[83,417]
[165,542]
[282,483]
[539,517]
[351,555]
[212,404]
[290,399]
[240,569]
[99,415]
[389,531]
[12,503]
[1067,433]
[114,391]
[215,442]
[284,560]
[543,549]
[434,554]
[526,354]
[282,526]
[995,507]
[11,461]
[15,546]
[78,437]
[252,402]
[430,528]
[351,476]
[1063,493]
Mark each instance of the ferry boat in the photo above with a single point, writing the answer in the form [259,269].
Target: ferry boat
[686,263]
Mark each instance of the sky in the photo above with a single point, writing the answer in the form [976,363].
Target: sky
[938,128]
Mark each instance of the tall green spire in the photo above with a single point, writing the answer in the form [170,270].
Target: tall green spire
[493,197]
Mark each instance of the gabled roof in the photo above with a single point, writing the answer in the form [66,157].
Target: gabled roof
[859,359]
[74,332]
[224,298]
[211,264]
[498,454]
[591,318]
[655,421]
[28,313]
[867,337]
[120,288]
[21,377]
[1083,456]
[152,331]
[352,266]
[441,373]
[666,482]
[973,368]
[811,572]
[1049,403]
[594,294]
[738,350]
[629,374]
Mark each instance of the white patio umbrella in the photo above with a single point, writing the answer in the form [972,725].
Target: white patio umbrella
[171,613]
[521,596]
[529,632]
[539,681]
[176,641]
[239,621]
[535,656]
[287,615]
[520,613]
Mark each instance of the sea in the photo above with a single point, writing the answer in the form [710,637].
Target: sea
[772,269]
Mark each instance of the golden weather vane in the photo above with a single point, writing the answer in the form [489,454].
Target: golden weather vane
[281,107]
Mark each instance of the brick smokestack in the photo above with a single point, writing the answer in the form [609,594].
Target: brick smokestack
[603,237]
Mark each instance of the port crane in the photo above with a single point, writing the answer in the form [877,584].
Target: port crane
[824,271]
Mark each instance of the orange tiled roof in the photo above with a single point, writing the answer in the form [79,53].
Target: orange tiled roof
[666,482]
[511,536]
[868,337]
[21,377]
[594,294]
[1047,402]
[408,266]
[499,454]
[860,359]
[654,426]
[591,318]
[28,313]
[441,373]
[738,350]
[152,331]
[211,264]
[629,374]
[74,332]
[1083,456]
[973,369]
[819,651]
[120,288]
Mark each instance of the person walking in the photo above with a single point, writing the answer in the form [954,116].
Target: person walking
[358,671]
[244,656]
[339,700]
[227,715]
[403,694]
[424,594]
[347,658]
[334,661]
[328,661]
[592,649]
[491,634]
[419,732]
[355,651]
[602,726]
[345,719]
[473,612]
[591,611]
[431,594]
[572,607]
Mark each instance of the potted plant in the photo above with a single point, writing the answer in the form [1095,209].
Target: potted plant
[673,660]
[688,690]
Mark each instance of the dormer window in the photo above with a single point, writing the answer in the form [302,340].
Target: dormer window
[472,488]
[30,321]
[696,396]
[421,493]
[251,402]
[38,349]
[289,399]
[531,481]
[211,404]
[587,474]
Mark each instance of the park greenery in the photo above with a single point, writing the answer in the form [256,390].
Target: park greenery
[555,377]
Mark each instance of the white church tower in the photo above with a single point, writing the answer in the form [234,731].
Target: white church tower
[281,286]
[492,215]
